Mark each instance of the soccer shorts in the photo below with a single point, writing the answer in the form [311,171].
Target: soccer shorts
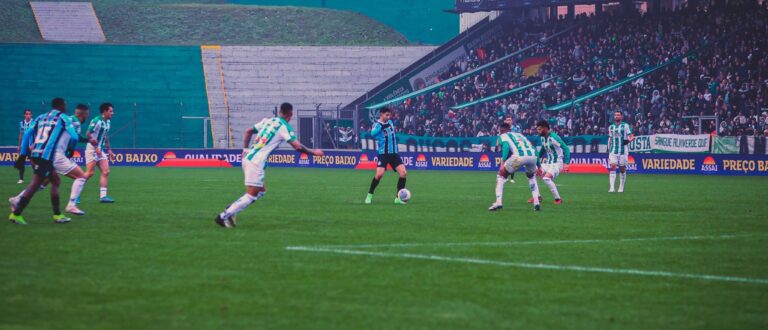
[42,167]
[92,156]
[254,173]
[621,160]
[62,164]
[553,169]
[514,163]
[392,160]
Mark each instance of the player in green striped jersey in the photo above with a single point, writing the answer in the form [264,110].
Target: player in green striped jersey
[619,136]
[557,156]
[270,133]
[523,155]
[98,140]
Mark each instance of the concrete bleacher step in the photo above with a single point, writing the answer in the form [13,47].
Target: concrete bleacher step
[217,96]
[67,21]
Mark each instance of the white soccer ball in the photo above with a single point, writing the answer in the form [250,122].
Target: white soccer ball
[404,195]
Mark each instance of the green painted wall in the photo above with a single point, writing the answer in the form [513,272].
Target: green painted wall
[421,21]
[157,84]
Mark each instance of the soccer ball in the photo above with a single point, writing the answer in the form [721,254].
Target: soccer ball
[404,195]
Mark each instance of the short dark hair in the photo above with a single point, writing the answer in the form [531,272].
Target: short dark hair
[286,108]
[27,110]
[58,103]
[105,106]
[385,110]
[542,123]
[619,112]
[505,126]
[81,107]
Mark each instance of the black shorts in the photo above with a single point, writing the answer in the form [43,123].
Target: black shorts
[42,167]
[389,159]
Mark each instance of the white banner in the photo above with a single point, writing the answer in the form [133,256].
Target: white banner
[680,143]
[642,143]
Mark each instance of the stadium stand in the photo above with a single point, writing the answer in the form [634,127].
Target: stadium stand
[67,21]
[152,88]
[257,79]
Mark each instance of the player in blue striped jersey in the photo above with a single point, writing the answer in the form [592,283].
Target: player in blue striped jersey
[384,132]
[23,125]
[46,141]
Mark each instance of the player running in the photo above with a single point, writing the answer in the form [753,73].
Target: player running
[557,156]
[523,154]
[98,139]
[47,141]
[619,136]
[270,132]
[23,125]
[384,132]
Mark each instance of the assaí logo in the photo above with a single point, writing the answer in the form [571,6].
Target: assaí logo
[421,161]
[77,157]
[709,165]
[484,162]
[303,159]
[363,158]
[631,164]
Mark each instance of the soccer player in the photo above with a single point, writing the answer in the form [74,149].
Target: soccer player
[523,154]
[49,138]
[98,139]
[23,126]
[558,156]
[515,129]
[384,132]
[270,132]
[619,136]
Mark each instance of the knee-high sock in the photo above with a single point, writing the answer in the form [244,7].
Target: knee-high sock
[552,187]
[55,204]
[21,173]
[400,183]
[534,190]
[240,204]
[622,179]
[77,188]
[612,177]
[374,184]
[500,180]
[23,202]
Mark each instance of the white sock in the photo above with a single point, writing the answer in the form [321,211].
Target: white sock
[102,192]
[552,187]
[21,193]
[534,190]
[612,175]
[500,180]
[77,188]
[622,179]
[240,204]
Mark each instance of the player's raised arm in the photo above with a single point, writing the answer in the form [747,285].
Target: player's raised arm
[301,148]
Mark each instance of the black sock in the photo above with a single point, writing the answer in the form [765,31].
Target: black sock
[512,176]
[21,173]
[400,183]
[23,202]
[374,183]
[55,204]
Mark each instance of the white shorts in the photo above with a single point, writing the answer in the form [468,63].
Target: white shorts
[62,164]
[254,173]
[514,163]
[91,156]
[553,169]
[621,160]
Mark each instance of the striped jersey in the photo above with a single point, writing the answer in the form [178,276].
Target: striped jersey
[554,149]
[617,133]
[99,128]
[385,137]
[48,134]
[271,132]
[23,125]
[517,144]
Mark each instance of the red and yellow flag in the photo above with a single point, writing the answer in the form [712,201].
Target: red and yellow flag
[532,65]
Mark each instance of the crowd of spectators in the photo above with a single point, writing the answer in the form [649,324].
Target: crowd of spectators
[726,77]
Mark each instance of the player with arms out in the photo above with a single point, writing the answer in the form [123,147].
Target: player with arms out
[557,156]
[270,132]
[619,136]
[384,132]
[98,139]
[47,141]
[523,154]
[23,126]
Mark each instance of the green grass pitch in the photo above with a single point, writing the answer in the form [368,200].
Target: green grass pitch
[671,252]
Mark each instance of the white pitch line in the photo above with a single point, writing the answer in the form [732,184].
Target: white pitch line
[536,266]
[578,241]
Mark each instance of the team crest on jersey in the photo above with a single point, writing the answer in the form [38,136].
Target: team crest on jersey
[421,161]
[709,165]
[631,164]
[303,159]
[484,162]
